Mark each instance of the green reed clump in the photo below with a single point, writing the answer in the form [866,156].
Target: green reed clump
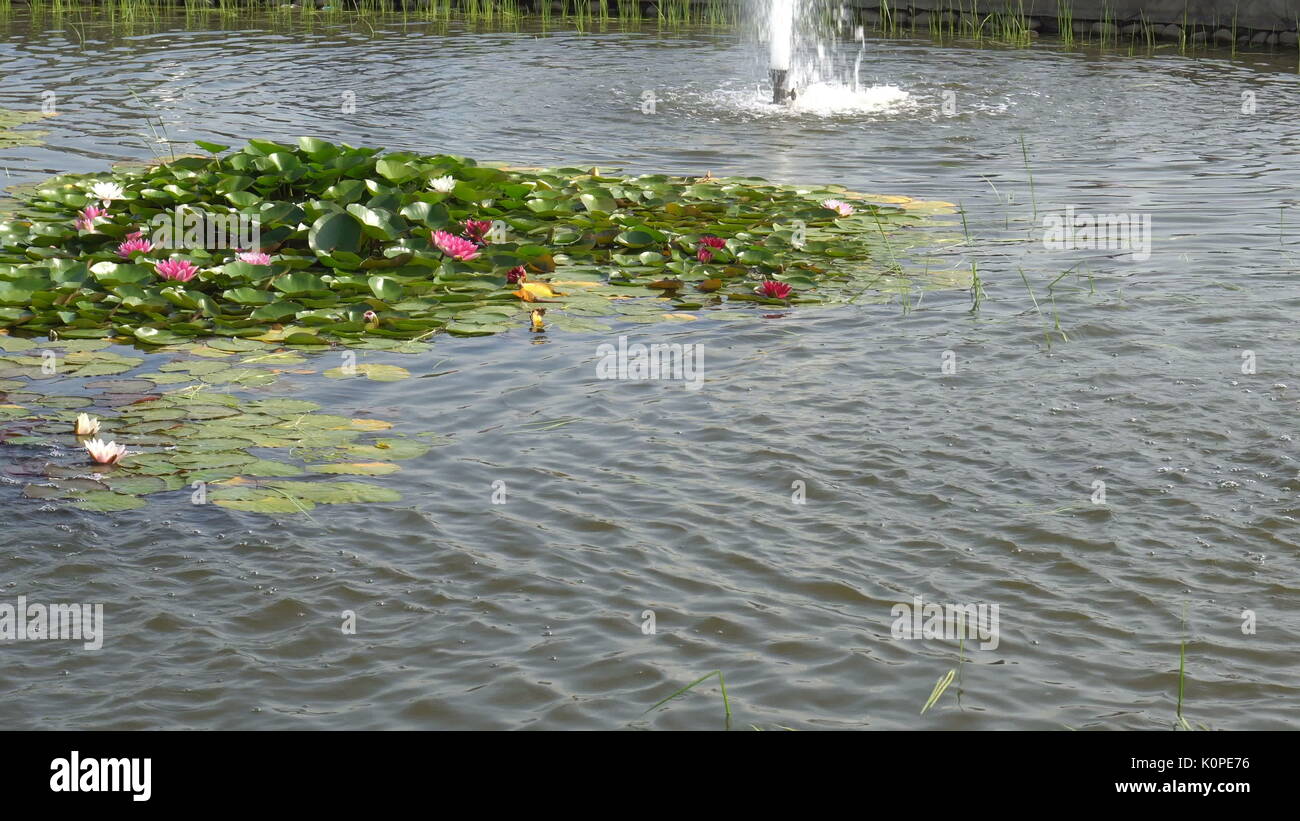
[1009,26]
[580,13]
[674,12]
[1065,22]
[720,13]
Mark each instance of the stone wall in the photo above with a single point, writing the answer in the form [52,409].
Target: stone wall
[1260,15]
[1255,23]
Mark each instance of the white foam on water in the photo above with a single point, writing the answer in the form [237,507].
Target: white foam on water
[829,100]
[835,99]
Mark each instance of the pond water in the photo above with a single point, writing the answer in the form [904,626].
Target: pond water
[624,496]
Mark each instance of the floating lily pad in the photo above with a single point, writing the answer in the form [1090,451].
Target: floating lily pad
[167,378]
[149,413]
[357,468]
[195,367]
[121,385]
[104,501]
[208,461]
[356,267]
[274,358]
[282,406]
[337,492]
[268,468]
[268,503]
[377,373]
[45,492]
[388,449]
[370,424]
[250,377]
[67,402]
[236,345]
[104,368]
[138,485]
[15,344]
[356,263]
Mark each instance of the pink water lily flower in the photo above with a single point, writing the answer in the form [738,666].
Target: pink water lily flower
[254,257]
[839,206]
[773,289]
[135,241]
[86,220]
[454,246]
[707,245]
[105,453]
[176,269]
[477,230]
[516,275]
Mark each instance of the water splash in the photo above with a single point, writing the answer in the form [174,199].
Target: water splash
[813,66]
[828,99]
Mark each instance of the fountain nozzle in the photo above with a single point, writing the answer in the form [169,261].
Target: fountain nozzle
[781,91]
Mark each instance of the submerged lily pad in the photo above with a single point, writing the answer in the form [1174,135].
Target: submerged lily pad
[181,437]
[12,119]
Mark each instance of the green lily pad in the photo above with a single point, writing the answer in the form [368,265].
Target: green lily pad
[388,449]
[107,501]
[377,373]
[269,503]
[356,468]
[281,406]
[337,492]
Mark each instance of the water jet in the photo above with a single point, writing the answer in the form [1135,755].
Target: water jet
[780,46]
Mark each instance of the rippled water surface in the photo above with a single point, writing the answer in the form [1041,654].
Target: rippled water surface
[633,496]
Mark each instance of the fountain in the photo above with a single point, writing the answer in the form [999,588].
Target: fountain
[780,46]
[807,60]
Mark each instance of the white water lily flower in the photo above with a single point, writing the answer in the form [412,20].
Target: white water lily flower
[107,192]
[443,185]
[87,425]
[105,453]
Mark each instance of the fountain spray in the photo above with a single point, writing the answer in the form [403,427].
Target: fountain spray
[781,32]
